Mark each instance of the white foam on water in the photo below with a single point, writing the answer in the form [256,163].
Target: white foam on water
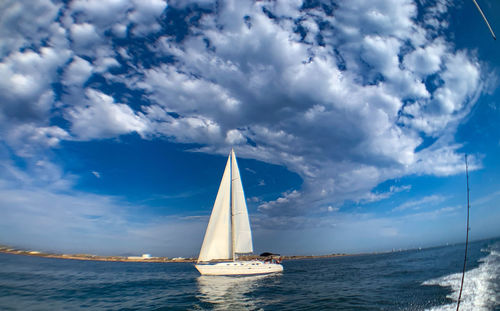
[481,291]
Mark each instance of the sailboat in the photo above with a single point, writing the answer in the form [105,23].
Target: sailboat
[228,232]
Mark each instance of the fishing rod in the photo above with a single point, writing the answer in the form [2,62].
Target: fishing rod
[486,21]
[467,234]
[467,176]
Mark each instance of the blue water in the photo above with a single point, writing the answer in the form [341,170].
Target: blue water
[411,280]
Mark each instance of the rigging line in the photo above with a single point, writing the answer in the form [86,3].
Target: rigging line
[485,20]
[467,234]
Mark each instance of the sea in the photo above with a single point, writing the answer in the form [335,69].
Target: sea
[423,279]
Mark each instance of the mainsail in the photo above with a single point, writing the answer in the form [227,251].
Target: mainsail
[228,231]
[242,235]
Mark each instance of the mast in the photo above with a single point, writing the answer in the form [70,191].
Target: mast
[231,199]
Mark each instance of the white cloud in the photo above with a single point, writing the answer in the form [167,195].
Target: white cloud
[253,199]
[105,62]
[25,82]
[435,214]
[461,79]
[451,101]
[145,14]
[346,115]
[38,172]
[182,129]
[345,104]
[78,222]
[373,197]
[40,210]
[27,139]
[22,27]
[84,36]
[283,205]
[426,60]
[101,12]
[342,232]
[119,14]
[485,199]
[333,209]
[102,118]
[381,53]
[431,200]
[78,72]
[33,48]
[234,137]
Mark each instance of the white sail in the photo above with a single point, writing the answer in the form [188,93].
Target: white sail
[217,241]
[242,234]
[228,232]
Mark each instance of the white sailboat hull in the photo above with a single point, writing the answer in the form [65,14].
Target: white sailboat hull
[239,268]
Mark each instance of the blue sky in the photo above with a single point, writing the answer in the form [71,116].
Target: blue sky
[350,119]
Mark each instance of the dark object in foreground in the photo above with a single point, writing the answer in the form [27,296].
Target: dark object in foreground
[467,234]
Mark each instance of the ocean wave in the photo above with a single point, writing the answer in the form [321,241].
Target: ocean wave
[481,291]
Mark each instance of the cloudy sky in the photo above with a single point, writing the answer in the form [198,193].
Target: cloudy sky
[350,119]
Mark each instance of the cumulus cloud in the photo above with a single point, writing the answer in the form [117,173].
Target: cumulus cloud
[33,49]
[78,72]
[285,202]
[25,83]
[426,60]
[101,117]
[118,16]
[27,139]
[84,36]
[234,137]
[344,105]
[344,95]
[145,14]
[21,27]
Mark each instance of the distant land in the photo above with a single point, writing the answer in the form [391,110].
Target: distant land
[148,258]
[143,258]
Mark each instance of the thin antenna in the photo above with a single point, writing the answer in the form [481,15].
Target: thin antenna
[485,20]
[467,235]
